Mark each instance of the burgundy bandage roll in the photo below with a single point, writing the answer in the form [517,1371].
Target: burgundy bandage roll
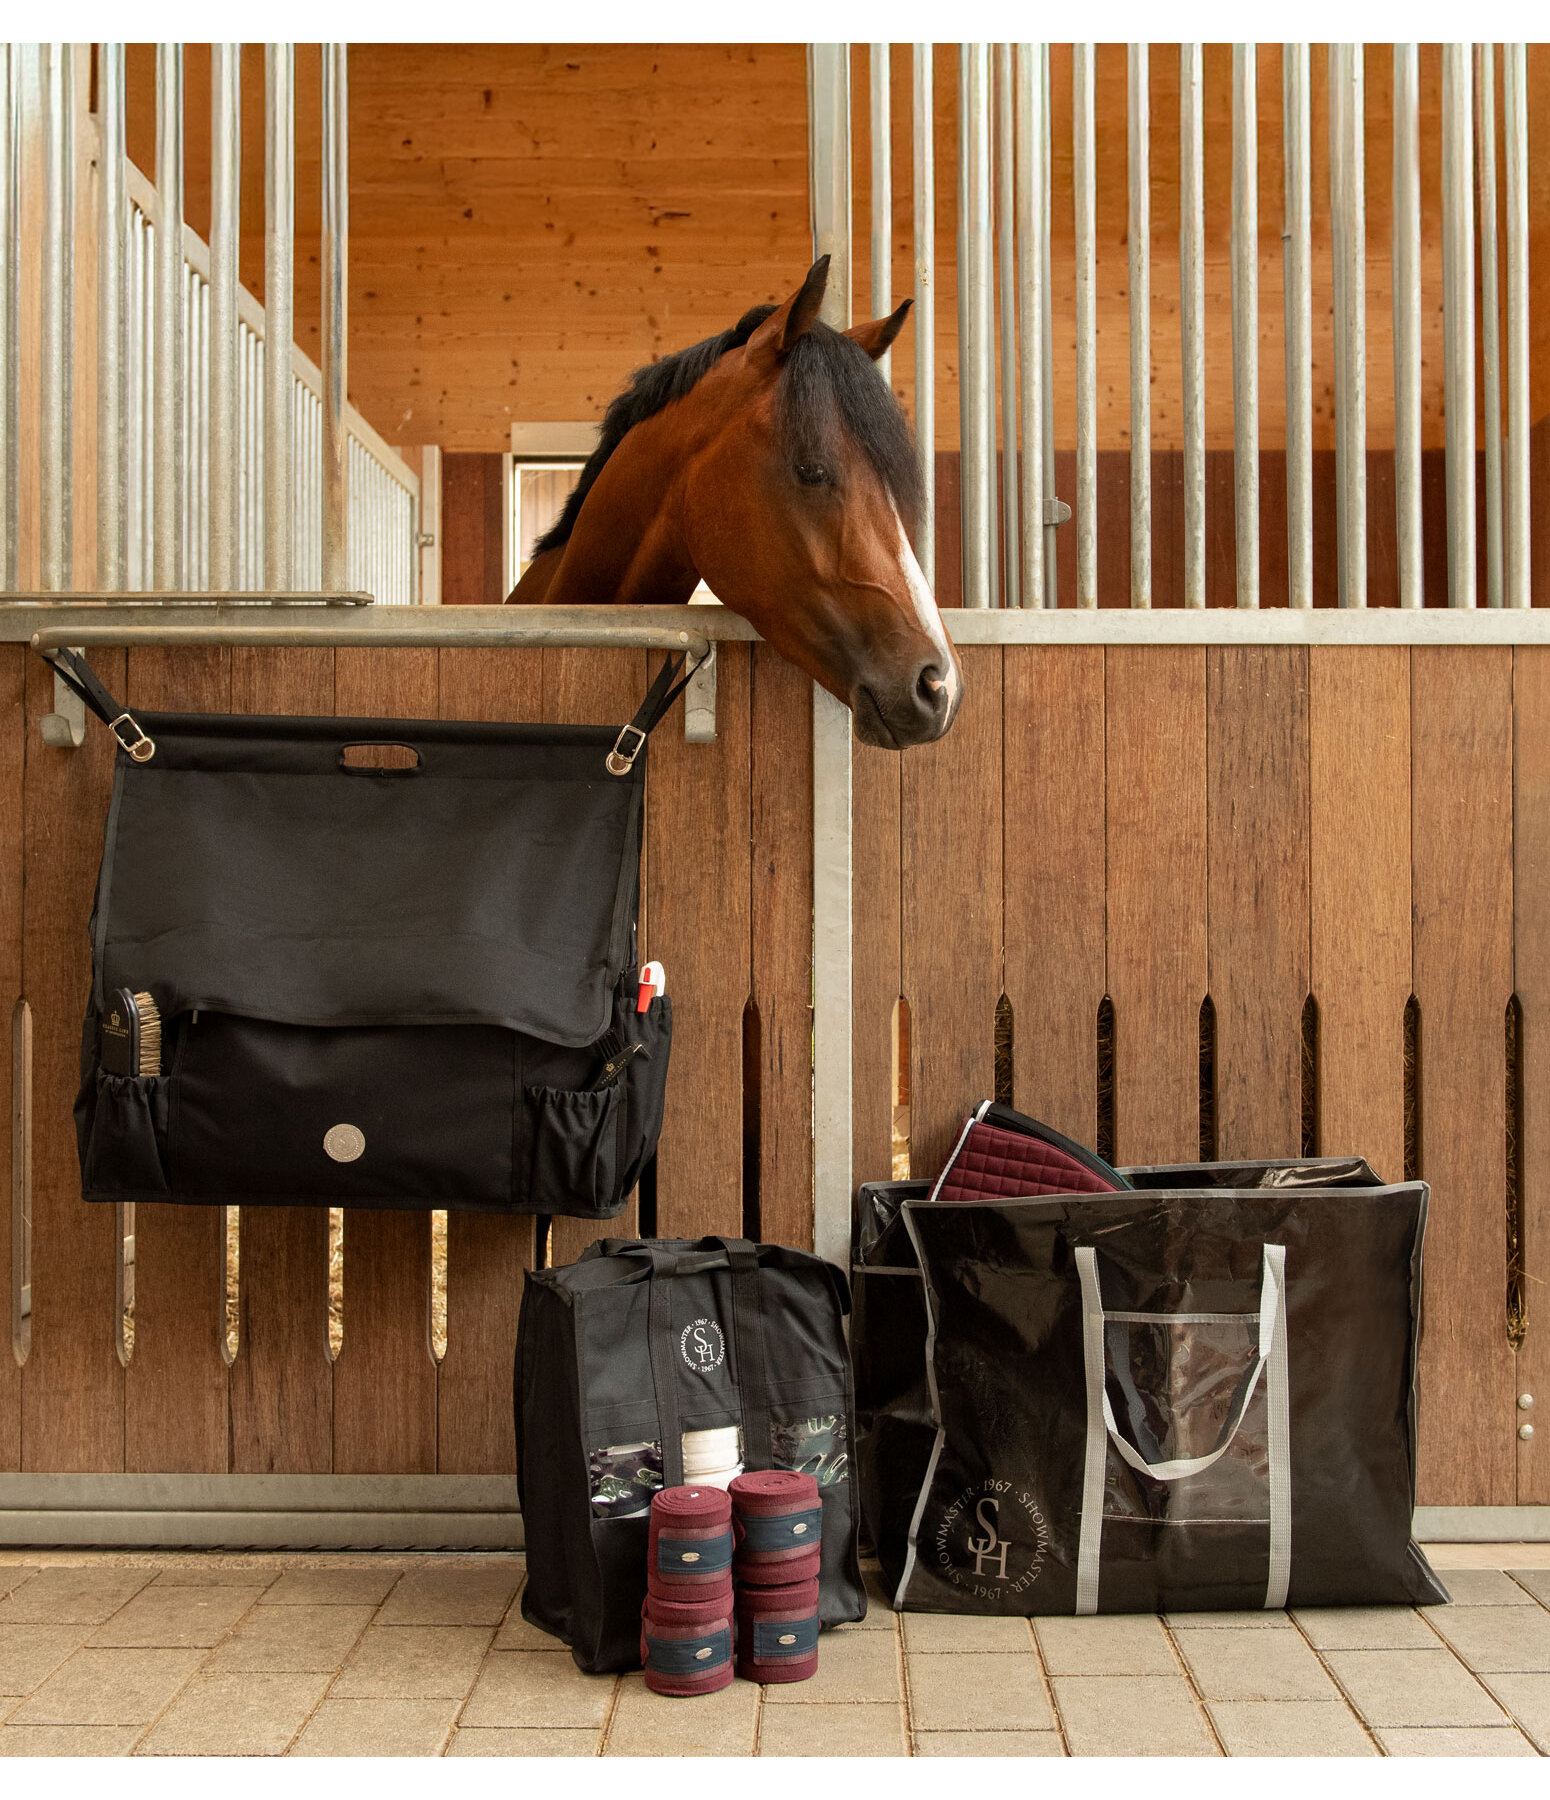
[778,1527]
[686,1646]
[777,1632]
[689,1545]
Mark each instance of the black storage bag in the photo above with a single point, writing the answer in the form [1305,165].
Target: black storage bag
[621,1352]
[972,1390]
[400,987]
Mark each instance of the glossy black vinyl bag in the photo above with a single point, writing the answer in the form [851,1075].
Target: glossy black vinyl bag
[1196,1396]
[619,1354]
[393,961]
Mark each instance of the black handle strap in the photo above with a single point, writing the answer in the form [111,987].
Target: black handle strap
[664,1372]
[748,1328]
[78,675]
[670,683]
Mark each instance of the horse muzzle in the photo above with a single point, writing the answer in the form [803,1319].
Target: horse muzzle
[917,713]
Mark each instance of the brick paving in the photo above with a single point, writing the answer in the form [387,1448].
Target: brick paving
[423,1655]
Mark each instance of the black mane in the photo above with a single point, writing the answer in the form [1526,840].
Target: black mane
[828,385]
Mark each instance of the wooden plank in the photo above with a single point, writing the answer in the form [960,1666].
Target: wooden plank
[1055,952]
[175,1389]
[385,1375]
[1257,919]
[697,878]
[1531,979]
[471,572]
[1359,887]
[1461,811]
[13,756]
[876,974]
[1156,860]
[282,1382]
[782,944]
[950,832]
[72,1382]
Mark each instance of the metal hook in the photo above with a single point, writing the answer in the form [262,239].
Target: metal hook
[65,727]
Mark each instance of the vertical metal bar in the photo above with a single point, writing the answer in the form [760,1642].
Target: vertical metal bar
[10,320]
[1006,255]
[57,71]
[336,300]
[225,229]
[168,389]
[1140,179]
[1031,217]
[1407,324]
[1084,193]
[112,213]
[1192,306]
[279,251]
[882,193]
[1490,320]
[1349,231]
[1298,301]
[1515,127]
[1245,319]
[976,353]
[1047,335]
[925,304]
[829,153]
[1458,322]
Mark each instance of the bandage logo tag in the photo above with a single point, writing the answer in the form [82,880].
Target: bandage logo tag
[992,1537]
[702,1346]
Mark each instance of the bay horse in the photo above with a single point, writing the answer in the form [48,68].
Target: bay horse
[774,462]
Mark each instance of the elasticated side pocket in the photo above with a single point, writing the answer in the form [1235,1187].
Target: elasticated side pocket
[645,1083]
[575,1161]
[128,1130]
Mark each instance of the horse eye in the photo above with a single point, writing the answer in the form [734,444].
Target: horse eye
[812,474]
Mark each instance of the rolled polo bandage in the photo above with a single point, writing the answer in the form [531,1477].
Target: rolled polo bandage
[777,1632]
[686,1646]
[778,1526]
[689,1543]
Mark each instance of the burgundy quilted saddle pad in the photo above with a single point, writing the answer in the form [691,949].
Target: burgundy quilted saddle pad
[1002,1155]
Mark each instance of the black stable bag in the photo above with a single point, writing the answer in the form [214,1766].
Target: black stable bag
[407,984]
[619,1354]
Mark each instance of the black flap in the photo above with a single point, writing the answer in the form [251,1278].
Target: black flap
[247,869]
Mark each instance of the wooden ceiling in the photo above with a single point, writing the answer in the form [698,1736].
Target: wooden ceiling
[529,222]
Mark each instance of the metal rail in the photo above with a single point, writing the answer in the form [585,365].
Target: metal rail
[170,392]
[1515,124]
[1138,137]
[57,312]
[881,123]
[1407,322]
[1458,311]
[1245,319]
[976,327]
[1348,208]
[1032,394]
[1084,203]
[225,229]
[924,175]
[336,282]
[279,296]
[1298,292]
[112,373]
[1006,285]
[1192,306]
[1490,315]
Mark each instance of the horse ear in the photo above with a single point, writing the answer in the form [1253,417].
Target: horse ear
[790,321]
[875,336]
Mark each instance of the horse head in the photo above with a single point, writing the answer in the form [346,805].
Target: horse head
[775,463]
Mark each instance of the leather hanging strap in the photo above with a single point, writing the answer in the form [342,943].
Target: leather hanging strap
[669,684]
[78,675]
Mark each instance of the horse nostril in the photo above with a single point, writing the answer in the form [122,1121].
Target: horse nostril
[931,689]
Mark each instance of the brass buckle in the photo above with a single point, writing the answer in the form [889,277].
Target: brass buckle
[140,746]
[620,760]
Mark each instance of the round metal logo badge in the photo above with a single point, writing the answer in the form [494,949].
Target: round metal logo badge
[344,1142]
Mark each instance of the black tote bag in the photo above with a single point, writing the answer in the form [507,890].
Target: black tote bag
[620,1353]
[1200,1395]
[410,985]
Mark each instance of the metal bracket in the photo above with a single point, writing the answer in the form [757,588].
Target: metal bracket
[700,701]
[1056,512]
[65,727]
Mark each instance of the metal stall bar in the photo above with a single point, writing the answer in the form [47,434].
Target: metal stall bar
[1458,322]
[1349,232]
[976,327]
[57,85]
[828,111]
[1245,319]
[1298,291]
[279,298]
[112,380]
[1515,127]
[1140,329]
[1006,258]
[225,227]
[10,315]
[882,193]
[169,395]
[336,338]
[924,180]
[1407,323]
[1032,220]
[1054,511]
[1192,306]
[1490,318]
[1084,196]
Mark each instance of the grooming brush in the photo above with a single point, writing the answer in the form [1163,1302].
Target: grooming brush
[131,1034]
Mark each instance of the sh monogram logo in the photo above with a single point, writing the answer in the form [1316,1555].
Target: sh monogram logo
[992,1538]
[702,1346]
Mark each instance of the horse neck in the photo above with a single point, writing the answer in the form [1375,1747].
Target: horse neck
[627,548]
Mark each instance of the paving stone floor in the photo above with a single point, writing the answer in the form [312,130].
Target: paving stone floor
[418,1655]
